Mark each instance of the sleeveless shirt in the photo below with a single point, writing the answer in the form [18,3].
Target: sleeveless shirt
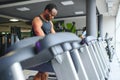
[46,27]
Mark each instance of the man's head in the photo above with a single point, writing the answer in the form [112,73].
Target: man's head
[50,11]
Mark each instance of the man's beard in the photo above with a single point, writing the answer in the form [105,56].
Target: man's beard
[47,17]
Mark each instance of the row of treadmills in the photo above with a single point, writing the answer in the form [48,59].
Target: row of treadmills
[60,53]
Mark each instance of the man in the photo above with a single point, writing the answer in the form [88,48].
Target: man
[41,26]
[83,35]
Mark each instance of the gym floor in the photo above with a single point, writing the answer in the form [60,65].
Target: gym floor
[113,75]
[115,69]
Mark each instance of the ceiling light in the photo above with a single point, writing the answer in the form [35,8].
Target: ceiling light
[14,20]
[67,3]
[79,12]
[3,32]
[23,9]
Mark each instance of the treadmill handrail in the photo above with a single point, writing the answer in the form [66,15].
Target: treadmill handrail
[43,47]
[16,56]
[28,52]
[23,43]
[55,39]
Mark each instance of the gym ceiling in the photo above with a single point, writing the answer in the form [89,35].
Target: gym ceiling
[25,10]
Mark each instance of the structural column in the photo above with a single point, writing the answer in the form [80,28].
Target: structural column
[91,23]
[100,25]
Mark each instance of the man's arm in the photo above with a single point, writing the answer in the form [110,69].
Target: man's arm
[52,28]
[37,24]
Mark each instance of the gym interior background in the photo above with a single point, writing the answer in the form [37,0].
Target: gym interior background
[25,10]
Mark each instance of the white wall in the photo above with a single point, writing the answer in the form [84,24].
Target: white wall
[118,34]
[118,26]
[109,26]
